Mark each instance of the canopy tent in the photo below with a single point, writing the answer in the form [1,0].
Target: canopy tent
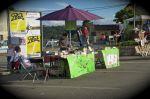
[70,14]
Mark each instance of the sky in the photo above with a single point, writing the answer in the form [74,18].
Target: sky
[103,8]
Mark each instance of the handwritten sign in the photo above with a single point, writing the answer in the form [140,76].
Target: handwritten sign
[81,64]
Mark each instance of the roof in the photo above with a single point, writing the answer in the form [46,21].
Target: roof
[141,17]
[106,27]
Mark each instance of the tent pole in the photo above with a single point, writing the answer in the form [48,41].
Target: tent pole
[70,37]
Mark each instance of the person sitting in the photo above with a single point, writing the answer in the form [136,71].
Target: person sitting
[15,62]
[15,58]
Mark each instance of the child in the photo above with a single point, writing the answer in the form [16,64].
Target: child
[10,54]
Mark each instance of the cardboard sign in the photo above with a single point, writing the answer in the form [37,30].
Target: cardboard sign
[111,57]
[80,64]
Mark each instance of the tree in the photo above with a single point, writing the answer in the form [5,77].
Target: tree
[128,12]
[124,13]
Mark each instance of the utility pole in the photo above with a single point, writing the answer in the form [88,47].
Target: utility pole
[134,14]
[8,26]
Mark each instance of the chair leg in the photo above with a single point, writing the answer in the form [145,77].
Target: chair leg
[35,77]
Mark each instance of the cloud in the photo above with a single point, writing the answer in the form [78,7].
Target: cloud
[104,21]
[54,23]
[58,23]
[35,9]
[63,4]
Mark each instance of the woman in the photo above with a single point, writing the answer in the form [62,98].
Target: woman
[15,58]
[16,62]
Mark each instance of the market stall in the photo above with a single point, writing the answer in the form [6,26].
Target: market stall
[79,62]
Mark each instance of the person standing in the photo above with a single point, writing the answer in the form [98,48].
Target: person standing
[79,34]
[85,32]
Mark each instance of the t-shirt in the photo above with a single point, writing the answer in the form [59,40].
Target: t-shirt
[85,31]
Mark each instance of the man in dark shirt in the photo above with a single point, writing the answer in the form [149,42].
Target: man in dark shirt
[63,42]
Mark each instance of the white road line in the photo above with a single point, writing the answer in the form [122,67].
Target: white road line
[112,71]
[68,87]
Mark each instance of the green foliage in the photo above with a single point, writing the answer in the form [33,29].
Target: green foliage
[129,33]
[128,43]
[123,14]
[128,12]
[50,32]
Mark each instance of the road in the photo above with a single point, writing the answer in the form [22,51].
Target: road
[123,82]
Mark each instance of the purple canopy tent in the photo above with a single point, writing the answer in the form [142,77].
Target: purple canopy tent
[70,14]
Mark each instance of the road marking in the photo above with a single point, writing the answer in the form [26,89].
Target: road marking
[112,71]
[70,87]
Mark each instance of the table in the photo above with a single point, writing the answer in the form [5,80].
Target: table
[74,65]
[36,60]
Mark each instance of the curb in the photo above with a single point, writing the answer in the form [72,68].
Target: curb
[128,58]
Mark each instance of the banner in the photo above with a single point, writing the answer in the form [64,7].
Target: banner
[33,46]
[80,64]
[17,21]
[111,57]
[70,25]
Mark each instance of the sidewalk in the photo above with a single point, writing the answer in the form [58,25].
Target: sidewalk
[127,58]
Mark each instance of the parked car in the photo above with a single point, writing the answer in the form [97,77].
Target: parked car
[3,46]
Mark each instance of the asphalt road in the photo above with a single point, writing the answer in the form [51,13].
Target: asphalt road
[124,82]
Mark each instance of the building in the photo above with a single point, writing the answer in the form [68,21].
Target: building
[3,26]
[141,21]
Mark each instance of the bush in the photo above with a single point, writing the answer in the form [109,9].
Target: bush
[128,43]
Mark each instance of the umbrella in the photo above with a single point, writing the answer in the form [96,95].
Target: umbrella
[70,14]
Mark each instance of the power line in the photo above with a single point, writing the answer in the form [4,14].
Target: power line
[95,8]
[107,6]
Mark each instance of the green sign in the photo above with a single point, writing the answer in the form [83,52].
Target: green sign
[80,64]
[70,25]
[111,57]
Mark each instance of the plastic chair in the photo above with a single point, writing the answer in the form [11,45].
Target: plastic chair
[28,70]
